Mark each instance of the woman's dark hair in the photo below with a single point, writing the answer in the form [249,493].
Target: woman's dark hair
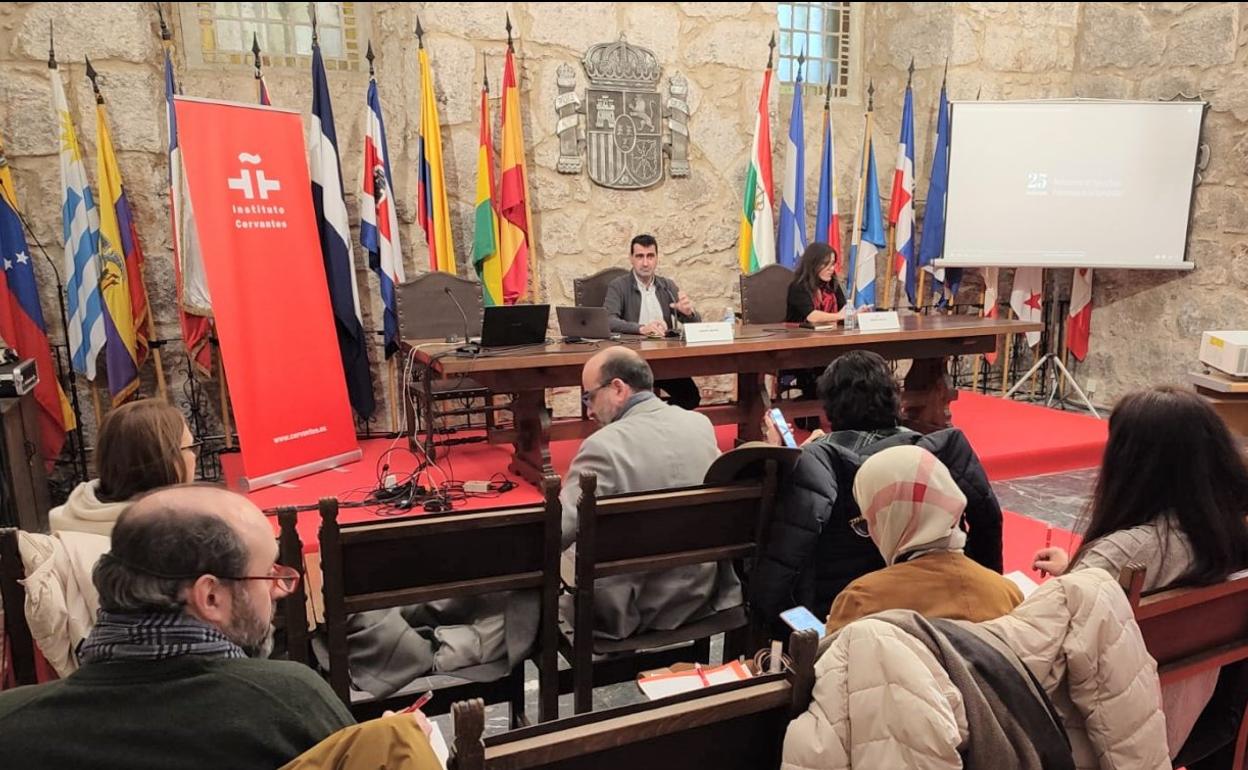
[1169,454]
[813,259]
[859,393]
[139,449]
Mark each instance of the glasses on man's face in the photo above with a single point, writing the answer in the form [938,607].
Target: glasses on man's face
[193,448]
[285,579]
[859,525]
[587,396]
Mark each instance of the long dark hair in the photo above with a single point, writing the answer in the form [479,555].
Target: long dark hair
[1169,454]
[813,259]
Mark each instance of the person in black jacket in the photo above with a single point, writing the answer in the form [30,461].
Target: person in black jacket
[811,553]
[815,295]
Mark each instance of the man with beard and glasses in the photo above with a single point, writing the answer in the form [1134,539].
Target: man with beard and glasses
[174,673]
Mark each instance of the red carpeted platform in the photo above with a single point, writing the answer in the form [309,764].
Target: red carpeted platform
[1012,440]
[1015,439]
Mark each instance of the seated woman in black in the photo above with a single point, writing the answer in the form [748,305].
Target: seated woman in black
[816,296]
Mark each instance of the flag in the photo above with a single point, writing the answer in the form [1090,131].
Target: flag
[901,202]
[1027,298]
[485,255]
[121,276]
[433,213]
[335,234]
[868,236]
[992,276]
[22,326]
[262,91]
[793,199]
[80,226]
[194,304]
[827,218]
[514,232]
[1079,327]
[756,241]
[933,244]
[379,220]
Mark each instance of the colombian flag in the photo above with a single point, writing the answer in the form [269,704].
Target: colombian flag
[432,210]
[514,230]
[485,256]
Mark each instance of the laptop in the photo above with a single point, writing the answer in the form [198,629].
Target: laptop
[587,323]
[507,325]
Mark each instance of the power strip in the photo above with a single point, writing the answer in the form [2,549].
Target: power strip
[477,487]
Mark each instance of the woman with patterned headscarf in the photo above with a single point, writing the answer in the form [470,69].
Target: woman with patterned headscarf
[911,509]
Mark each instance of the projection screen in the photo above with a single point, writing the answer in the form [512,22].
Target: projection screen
[1071,183]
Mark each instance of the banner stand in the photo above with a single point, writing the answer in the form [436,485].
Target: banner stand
[246,484]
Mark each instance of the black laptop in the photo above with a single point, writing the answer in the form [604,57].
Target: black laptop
[587,323]
[507,325]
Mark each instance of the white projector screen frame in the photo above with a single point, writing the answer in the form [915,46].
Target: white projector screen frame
[1068,183]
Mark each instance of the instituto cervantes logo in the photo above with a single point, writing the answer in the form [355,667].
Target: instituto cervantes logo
[625,118]
[256,186]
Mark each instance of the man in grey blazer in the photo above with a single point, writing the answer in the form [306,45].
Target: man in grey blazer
[645,303]
[644,444]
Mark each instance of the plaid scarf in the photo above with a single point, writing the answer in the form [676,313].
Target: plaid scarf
[153,636]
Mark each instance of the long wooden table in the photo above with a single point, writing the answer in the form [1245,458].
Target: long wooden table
[767,349]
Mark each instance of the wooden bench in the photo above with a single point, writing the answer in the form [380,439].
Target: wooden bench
[370,566]
[631,534]
[725,727]
[19,645]
[1189,631]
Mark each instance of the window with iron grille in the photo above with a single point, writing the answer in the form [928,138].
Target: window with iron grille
[221,33]
[824,33]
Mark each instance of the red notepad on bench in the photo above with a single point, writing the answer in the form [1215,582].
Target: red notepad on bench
[687,678]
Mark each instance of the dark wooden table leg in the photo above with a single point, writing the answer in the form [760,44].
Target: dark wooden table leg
[928,393]
[531,461]
[750,401]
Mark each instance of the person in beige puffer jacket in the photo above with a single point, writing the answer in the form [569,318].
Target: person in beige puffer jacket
[881,699]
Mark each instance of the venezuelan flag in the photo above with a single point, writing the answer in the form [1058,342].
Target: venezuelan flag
[485,256]
[121,338]
[514,229]
[432,210]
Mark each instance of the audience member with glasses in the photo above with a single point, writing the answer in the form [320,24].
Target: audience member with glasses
[142,445]
[174,673]
[912,511]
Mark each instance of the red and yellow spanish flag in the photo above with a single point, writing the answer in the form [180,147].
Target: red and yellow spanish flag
[121,277]
[485,256]
[515,233]
[432,211]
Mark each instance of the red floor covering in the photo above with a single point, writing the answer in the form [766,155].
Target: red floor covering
[1012,440]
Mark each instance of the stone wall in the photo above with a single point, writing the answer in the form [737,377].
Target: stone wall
[1145,325]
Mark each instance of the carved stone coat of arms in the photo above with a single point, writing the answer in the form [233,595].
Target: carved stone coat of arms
[628,129]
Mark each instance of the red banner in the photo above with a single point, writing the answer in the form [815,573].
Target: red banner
[247,172]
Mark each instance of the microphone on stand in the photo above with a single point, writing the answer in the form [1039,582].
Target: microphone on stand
[468,346]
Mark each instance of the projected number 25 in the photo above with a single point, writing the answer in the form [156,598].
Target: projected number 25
[1037,181]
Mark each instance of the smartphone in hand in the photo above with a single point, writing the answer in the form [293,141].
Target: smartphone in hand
[800,619]
[783,426]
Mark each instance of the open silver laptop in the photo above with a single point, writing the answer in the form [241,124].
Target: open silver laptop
[589,323]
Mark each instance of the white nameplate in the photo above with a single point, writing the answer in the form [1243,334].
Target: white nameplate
[882,321]
[715,331]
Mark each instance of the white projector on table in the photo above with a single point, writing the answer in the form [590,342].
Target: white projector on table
[1226,351]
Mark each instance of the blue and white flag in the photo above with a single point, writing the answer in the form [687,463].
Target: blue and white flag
[80,225]
[791,241]
[933,244]
[335,234]
[868,236]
